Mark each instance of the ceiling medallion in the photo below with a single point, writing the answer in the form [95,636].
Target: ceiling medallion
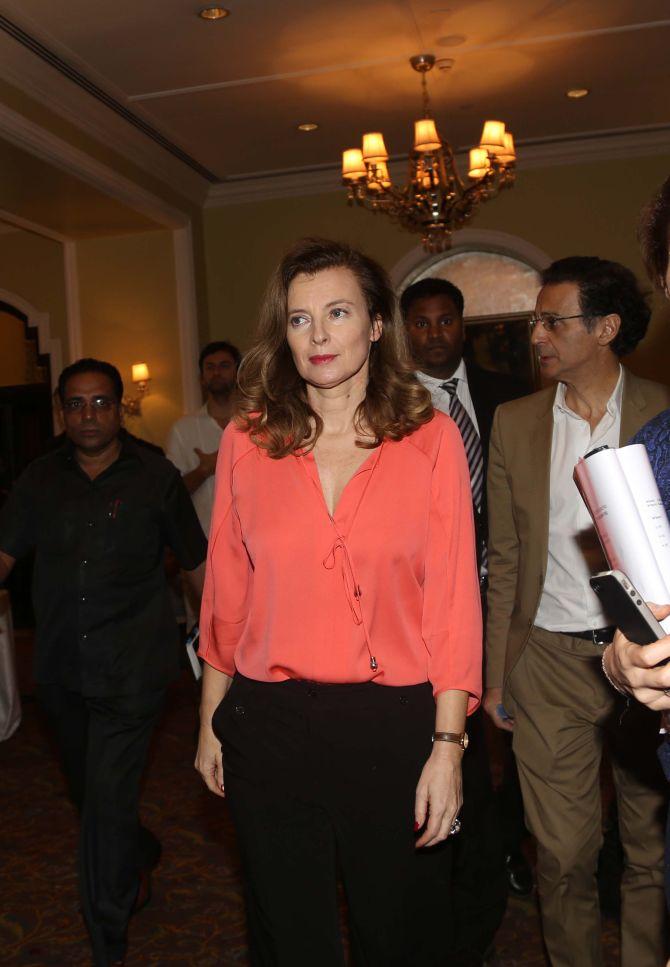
[435,201]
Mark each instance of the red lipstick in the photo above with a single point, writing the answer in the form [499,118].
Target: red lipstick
[320,360]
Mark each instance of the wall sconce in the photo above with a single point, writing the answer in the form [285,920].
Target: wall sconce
[132,405]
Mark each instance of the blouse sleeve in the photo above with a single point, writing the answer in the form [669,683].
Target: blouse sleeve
[225,599]
[452,617]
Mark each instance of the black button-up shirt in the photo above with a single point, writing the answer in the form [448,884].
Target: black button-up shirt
[105,622]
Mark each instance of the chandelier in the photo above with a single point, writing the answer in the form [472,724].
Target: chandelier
[435,201]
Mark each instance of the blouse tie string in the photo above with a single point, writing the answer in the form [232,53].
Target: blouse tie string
[352,588]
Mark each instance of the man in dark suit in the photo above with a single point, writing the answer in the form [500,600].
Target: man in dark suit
[433,313]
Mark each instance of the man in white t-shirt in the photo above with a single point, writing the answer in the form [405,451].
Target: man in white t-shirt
[193,443]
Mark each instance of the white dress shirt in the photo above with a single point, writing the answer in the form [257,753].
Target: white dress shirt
[575,554]
[441,397]
[202,431]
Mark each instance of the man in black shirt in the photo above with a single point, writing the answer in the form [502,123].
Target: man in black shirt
[99,512]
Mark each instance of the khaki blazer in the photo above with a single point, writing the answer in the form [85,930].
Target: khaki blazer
[518,505]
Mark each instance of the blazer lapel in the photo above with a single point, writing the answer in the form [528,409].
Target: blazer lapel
[633,403]
[539,468]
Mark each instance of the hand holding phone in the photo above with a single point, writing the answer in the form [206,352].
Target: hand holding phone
[625,607]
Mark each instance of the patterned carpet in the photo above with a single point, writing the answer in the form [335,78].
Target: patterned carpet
[196,915]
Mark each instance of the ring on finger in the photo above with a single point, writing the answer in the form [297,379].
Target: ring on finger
[455,827]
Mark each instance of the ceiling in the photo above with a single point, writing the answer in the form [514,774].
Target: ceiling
[231,93]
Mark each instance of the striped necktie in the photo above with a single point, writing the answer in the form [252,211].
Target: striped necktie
[471,442]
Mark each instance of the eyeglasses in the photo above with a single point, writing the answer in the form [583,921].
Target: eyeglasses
[99,403]
[548,321]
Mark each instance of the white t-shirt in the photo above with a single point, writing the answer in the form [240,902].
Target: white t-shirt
[202,431]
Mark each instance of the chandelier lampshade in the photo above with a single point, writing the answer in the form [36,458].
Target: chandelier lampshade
[479,163]
[374,149]
[426,137]
[353,166]
[493,136]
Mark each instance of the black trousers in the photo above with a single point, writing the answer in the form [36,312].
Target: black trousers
[103,743]
[320,777]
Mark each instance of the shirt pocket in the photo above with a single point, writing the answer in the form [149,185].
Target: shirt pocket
[133,537]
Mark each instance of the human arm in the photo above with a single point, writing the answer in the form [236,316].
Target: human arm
[194,465]
[208,759]
[452,631]
[195,580]
[503,562]
[632,669]
[182,531]
[228,576]
[205,469]
[18,522]
[6,564]
[439,795]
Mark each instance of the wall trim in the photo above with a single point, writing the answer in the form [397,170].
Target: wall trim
[46,344]
[75,341]
[44,84]
[24,224]
[469,239]
[187,317]
[48,147]
[540,153]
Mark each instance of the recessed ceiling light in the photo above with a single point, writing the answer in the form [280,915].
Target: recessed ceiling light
[308,126]
[576,92]
[213,13]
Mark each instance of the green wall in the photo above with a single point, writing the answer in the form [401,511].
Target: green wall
[129,315]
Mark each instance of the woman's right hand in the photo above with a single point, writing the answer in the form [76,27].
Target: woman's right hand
[209,760]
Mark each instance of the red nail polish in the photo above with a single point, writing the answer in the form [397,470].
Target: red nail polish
[416,826]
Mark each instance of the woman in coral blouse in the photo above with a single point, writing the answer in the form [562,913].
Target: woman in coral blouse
[341,624]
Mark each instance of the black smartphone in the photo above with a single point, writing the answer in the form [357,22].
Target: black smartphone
[625,608]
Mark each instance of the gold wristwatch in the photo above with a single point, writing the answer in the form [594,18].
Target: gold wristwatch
[458,738]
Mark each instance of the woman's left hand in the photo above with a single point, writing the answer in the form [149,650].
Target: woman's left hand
[439,793]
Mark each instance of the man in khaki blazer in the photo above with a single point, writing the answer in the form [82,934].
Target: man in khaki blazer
[546,630]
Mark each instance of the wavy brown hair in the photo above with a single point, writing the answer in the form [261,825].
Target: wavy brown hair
[273,406]
[654,234]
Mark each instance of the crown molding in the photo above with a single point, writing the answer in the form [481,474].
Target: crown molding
[15,223]
[540,153]
[41,143]
[52,90]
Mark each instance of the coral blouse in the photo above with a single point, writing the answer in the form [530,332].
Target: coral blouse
[386,590]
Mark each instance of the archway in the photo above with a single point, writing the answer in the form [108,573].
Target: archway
[498,275]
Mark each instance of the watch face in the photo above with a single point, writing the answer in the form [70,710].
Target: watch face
[465,741]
